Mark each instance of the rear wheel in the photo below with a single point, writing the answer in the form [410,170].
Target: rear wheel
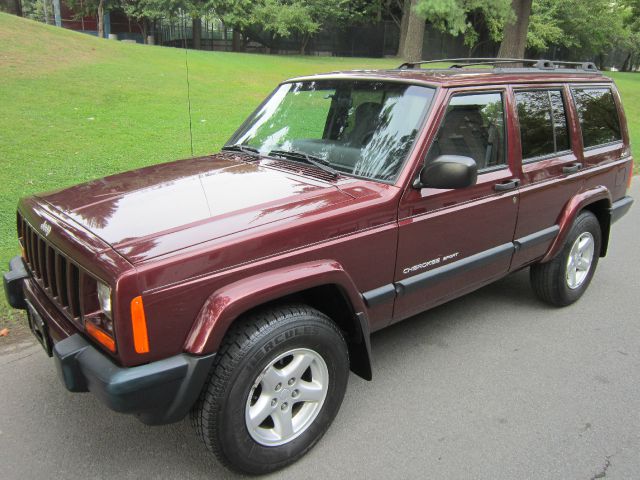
[565,278]
[276,385]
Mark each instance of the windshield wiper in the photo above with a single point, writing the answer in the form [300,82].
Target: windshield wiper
[239,147]
[318,162]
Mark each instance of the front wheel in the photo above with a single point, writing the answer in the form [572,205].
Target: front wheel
[565,278]
[276,384]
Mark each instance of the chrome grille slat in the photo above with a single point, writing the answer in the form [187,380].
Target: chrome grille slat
[60,276]
[51,271]
[34,251]
[73,289]
[26,241]
[40,249]
[54,272]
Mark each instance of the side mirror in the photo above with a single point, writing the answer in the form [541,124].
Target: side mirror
[448,171]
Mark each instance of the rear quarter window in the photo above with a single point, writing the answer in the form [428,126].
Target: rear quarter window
[598,116]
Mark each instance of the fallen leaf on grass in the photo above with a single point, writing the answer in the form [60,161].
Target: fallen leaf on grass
[4,332]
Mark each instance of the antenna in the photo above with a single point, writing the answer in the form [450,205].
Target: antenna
[186,63]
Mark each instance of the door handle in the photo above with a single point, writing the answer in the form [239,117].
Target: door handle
[507,185]
[573,168]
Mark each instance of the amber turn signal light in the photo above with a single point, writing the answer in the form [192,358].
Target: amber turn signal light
[97,333]
[139,326]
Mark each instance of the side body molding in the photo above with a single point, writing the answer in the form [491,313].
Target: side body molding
[231,301]
[570,212]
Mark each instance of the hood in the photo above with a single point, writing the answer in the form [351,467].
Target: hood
[163,208]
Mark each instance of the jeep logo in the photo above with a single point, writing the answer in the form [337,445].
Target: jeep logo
[45,227]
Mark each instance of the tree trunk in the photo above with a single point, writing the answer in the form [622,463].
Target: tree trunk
[196,31]
[627,61]
[303,43]
[514,41]
[235,41]
[13,7]
[145,31]
[57,18]
[101,19]
[412,51]
[403,26]
[45,10]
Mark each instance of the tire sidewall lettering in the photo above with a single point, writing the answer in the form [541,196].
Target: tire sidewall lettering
[280,339]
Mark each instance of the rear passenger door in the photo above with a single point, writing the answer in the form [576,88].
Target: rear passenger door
[551,166]
[453,241]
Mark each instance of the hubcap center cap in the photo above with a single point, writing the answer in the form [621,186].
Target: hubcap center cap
[285,395]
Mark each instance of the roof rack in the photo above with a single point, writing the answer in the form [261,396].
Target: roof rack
[538,64]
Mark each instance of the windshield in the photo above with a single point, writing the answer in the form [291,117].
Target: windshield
[363,128]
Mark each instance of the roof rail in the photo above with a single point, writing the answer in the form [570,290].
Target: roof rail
[539,64]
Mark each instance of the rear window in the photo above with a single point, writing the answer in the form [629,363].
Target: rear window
[598,116]
[543,123]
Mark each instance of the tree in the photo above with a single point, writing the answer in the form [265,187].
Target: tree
[514,41]
[413,38]
[92,8]
[11,6]
[544,26]
[452,16]
[101,18]
[404,23]
[238,15]
[585,30]
[302,18]
[631,42]
[197,9]
[284,19]
[145,12]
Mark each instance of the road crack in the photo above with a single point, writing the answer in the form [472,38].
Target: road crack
[603,472]
[17,359]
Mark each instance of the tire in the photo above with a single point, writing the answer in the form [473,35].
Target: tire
[245,379]
[563,280]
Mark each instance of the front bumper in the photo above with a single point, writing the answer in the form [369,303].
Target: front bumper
[13,282]
[158,393]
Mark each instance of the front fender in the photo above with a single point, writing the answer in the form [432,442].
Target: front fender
[571,210]
[231,301]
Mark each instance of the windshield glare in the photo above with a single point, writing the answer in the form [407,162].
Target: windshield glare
[362,128]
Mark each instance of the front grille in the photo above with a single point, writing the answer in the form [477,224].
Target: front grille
[55,273]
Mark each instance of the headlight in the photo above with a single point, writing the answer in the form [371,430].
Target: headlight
[104,299]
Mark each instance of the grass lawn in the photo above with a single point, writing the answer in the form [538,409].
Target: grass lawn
[74,107]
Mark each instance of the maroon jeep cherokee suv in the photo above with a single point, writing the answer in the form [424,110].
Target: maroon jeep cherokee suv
[243,286]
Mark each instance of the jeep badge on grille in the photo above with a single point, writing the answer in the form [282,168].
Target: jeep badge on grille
[45,227]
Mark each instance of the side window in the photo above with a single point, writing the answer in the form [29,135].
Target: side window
[473,126]
[598,116]
[543,123]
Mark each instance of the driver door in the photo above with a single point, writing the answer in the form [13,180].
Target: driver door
[454,241]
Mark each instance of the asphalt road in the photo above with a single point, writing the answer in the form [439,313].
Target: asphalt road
[494,385]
